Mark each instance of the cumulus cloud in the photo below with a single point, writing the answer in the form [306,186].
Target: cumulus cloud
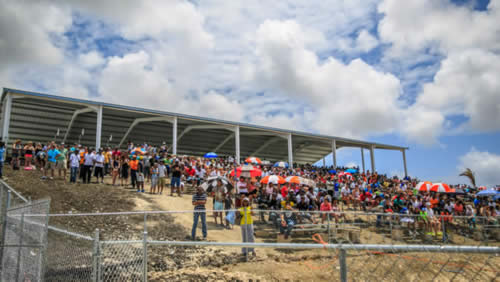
[484,164]
[25,32]
[355,97]
[134,80]
[466,84]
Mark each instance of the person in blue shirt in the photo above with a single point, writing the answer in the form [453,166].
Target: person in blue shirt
[52,155]
[2,154]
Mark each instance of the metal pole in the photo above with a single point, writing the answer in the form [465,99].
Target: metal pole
[4,224]
[444,229]
[290,151]
[174,136]
[328,226]
[404,162]
[363,159]
[390,224]
[334,153]
[6,118]
[237,144]
[145,257]
[98,129]
[343,265]
[20,248]
[145,222]
[372,157]
[95,255]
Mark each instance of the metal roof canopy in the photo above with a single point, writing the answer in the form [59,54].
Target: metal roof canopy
[50,112]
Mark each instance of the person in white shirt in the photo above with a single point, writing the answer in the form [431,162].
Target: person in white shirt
[200,174]
[88,163]
[162,173]
[74,164]
[99,166]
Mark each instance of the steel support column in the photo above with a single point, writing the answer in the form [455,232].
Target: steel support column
[98,128]
[404,162]
[290,151]
[334,153]
[174,136]
[363,159]
[372,157]
[6,112]
[237,144]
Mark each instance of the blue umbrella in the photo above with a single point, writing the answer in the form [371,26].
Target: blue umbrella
[351,170]
[281,164]
[210,155]
[497,197]
[332,171]
[487,193]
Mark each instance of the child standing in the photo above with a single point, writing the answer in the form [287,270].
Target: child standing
[140,176]
[154,178]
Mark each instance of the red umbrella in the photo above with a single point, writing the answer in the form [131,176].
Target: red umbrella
[276,179]
[441,188]
[253,173]
[424,186]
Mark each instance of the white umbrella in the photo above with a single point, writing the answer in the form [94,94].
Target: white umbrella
[212,183]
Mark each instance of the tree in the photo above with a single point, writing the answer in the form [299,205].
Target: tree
[469,174]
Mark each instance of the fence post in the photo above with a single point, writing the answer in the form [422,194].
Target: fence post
[145,222]
[390,226]
[444,228]
[328,226]
[145,257]
[343,264]
[96,257]
[18,266]
[4,225]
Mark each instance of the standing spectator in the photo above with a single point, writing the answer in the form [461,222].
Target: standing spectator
[74,163]
[61,162]
[134,165]
[219,198]
[140,177]
[88,163]
[154,178]
[287,220]
[2,157]
[16,153]
[99,166]
[162,173]
[246,225]
[28,154]
[107,160]
[52,156]
[115,166]
[175,183]
[125,170]
[199,200]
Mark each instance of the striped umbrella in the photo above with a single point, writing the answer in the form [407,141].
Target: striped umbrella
[253,160]
[424,186]
[253,173]
[275,179]
[440,188]
[294,179]
[281,164]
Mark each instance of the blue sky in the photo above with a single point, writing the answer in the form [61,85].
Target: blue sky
[419,73]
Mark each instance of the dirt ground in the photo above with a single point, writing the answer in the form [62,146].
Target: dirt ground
[226,264]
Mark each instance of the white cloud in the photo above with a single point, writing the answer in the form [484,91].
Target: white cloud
[418,24]
[356,98]
[466,84]
[484,164]
[25,32]
[134,80]
[91,59]
[365,41]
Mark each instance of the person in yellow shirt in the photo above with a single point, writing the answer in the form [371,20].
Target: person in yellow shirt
[107,160]
[246,225]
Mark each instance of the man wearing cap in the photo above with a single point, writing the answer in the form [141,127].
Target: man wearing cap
[199,200]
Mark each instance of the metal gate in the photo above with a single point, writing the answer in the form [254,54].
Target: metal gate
[24,241]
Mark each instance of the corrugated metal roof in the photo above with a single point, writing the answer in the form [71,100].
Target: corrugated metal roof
[39,117]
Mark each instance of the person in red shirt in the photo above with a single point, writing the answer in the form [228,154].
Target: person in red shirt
[325,207]
[284,191]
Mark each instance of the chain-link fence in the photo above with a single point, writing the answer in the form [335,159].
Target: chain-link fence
[289,245]
[24,241]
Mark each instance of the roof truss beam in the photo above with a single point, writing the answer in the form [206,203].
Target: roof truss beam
[73,118]
[139,120]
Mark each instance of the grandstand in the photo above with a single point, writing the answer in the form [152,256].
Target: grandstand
[42,117]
